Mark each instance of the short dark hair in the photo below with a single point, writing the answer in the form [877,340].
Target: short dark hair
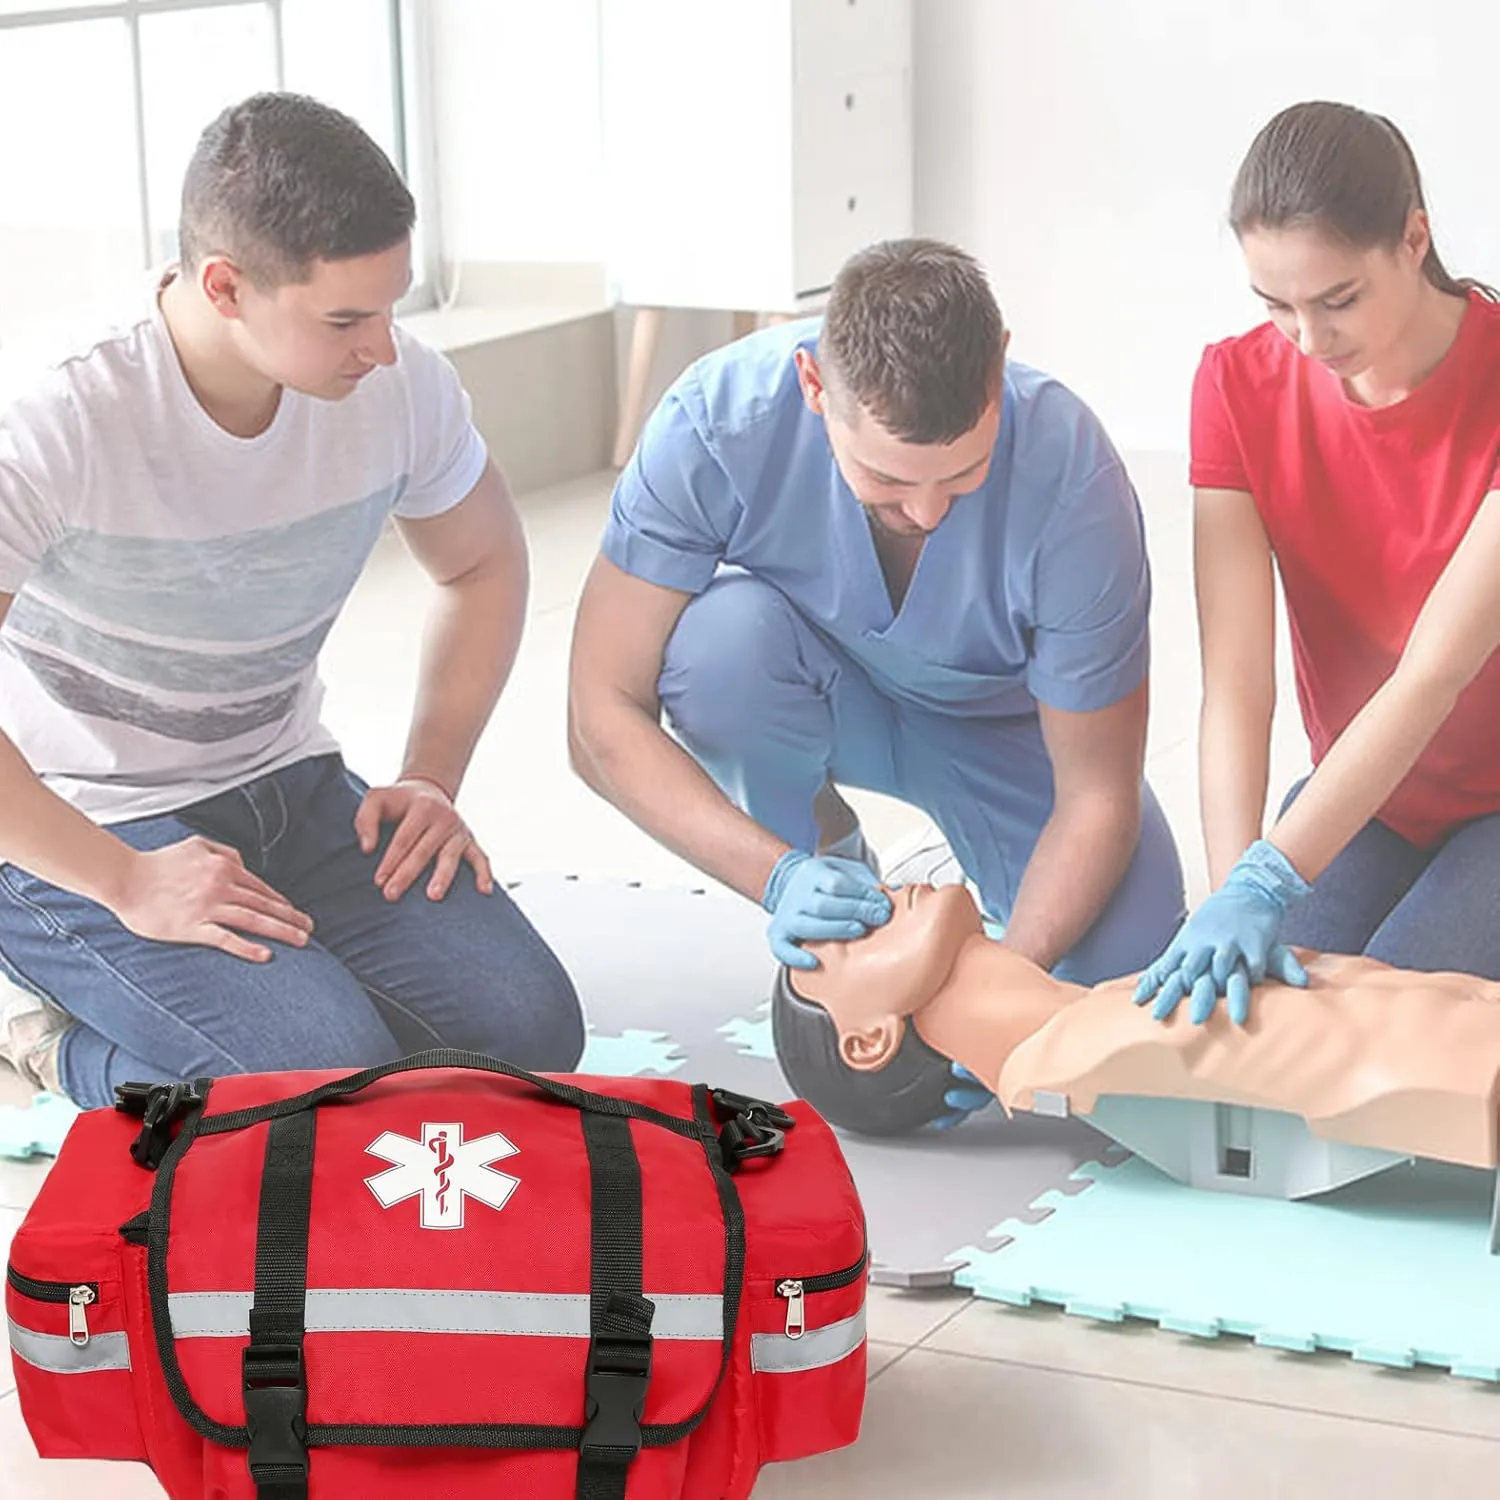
[895,1100]
[1348,173]
[280,181]
[914,335]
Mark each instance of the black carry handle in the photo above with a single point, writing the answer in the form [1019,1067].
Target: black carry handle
[618,1360]
[450,1057]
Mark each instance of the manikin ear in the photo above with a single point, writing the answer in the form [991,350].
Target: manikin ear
[221,281]
[810,378]
[872,1047]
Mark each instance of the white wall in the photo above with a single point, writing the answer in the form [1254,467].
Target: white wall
[1084,149]
[520,167]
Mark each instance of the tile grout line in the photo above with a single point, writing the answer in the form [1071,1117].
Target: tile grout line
[960,1305]
[1186,1390]
[889,1364]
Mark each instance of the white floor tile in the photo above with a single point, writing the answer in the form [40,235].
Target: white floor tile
[1139,1353]
[944,1426]
[906,1318]
[24,1476]
[21,1181]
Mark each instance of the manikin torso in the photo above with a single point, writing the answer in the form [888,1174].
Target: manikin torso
[1369,1055]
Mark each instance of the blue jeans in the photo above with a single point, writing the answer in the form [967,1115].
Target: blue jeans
[771,710]
[378,979]
[1426,909]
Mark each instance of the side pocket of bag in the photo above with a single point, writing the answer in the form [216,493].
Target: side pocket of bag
[808,1358]
[73,1356]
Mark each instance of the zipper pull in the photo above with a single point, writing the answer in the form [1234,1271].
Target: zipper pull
[79,1298]
[796,1322]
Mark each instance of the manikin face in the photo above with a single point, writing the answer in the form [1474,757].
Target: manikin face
[322,336]
[905,488]
[870,986]
[1348,309]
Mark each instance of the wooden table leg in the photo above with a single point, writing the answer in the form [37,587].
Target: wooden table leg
[645,336]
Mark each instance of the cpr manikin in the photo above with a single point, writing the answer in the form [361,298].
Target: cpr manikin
[1367,1066]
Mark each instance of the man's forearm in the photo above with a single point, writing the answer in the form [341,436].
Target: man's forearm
[1075,869]
[631,761]
[53,841]
[469,647]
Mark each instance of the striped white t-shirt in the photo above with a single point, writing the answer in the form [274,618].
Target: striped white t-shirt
[173,583]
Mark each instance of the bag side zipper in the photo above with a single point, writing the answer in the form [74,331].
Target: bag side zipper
[78,1296]
[797,1288]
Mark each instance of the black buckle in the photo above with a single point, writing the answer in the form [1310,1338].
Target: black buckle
[749,1136]
[615,1394]
[159,1106]
[275,1391]
[130,1098]
[731,1103]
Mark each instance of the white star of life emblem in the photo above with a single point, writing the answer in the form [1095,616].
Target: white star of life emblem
[444,1169]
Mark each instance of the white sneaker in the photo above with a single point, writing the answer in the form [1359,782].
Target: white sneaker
[926,858]
[30,1029]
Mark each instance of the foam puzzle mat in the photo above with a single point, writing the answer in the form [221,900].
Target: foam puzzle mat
[1394,1270]
[676,983]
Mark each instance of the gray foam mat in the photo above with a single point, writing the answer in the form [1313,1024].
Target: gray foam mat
[676,982]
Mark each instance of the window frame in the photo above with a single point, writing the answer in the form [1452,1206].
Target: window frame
[411,92]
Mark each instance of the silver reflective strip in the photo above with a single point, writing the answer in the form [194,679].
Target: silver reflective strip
[59,1355]
[776,1354]
[226,1315]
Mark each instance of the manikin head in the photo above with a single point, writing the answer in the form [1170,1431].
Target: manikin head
[1329,211]
[871,986]
[908,380]
[847,1046]
[296,228]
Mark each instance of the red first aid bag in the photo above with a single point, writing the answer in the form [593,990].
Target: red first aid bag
[442,1277]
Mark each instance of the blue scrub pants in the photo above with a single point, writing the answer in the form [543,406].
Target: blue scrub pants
[771,710]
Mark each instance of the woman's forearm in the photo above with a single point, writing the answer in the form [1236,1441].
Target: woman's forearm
[1361,769]
[1234,757]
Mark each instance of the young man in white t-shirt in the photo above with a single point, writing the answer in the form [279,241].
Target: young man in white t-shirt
[193,883]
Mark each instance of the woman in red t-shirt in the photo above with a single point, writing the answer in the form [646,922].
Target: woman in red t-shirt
[1351,441]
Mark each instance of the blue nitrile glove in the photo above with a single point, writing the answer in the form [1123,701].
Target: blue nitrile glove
[815,899]
[967,1097]
[1229,944]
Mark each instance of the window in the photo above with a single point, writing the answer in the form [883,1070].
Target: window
[102,103]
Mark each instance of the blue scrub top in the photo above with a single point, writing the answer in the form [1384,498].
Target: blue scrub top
[1033,587]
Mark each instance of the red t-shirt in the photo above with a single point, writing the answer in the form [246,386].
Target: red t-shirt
[1364,507]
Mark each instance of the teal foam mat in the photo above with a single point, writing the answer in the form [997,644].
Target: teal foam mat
[1394,1270]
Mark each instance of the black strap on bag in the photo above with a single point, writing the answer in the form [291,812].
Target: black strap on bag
[275,1375]
[619,1362]
[618,1369]
[446,1057]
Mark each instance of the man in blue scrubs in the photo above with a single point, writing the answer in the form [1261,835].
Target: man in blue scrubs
[871,551]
